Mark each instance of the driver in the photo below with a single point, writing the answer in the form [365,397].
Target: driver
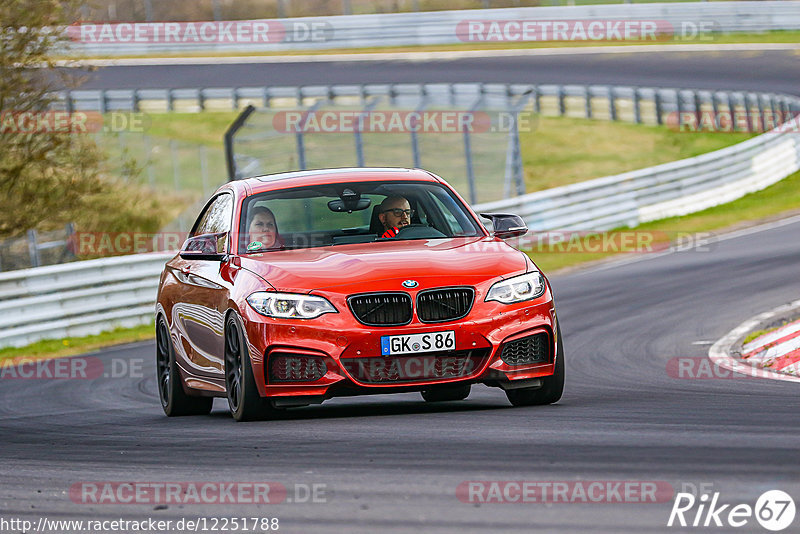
[395,212]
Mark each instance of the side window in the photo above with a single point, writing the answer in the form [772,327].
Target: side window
[217,216]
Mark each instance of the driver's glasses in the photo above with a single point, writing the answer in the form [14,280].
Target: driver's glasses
[397,212]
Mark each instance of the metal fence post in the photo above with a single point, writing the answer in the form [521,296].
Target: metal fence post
[588,91]
[562,104]
[637,106]
[732,111]
[612,105]
[473,194]
[746,101]
[658,106]
[33,248]
[102,101]
[761,117]
[170,100]
[698,107]
[357,133]
[715,108]
[68,103]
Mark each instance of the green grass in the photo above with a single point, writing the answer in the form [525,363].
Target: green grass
[562,150]
[758,333]
[71,346]
[207,128]
[774,202]
[556,150]
[779,36]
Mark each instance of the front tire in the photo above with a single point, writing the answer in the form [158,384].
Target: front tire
[552,386]
[455,393]
[174,399]
[243,398]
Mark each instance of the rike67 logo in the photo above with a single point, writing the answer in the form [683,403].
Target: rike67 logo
[774,510]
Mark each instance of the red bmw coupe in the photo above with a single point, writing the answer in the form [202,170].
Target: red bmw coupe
[295,288]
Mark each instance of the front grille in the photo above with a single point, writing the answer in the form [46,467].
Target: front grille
[406,369]
[381,309]
[449,304]
[527,350]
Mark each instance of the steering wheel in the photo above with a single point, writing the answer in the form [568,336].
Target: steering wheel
[418,231]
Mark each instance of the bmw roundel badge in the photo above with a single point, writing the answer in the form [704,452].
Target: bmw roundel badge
[410,284]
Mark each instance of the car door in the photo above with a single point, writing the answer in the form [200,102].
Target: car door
[198,316]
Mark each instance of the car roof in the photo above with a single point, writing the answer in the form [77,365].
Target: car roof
[285,180]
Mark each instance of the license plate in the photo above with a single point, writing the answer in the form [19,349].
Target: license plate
[412,343]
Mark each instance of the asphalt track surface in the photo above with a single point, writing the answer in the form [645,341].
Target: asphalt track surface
[393,463]
[767,71]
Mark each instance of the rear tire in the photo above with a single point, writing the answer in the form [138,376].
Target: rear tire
[174,399]
[552,386]
[455,393]
[244,400]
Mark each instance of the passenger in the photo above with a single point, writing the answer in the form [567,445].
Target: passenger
[263,229]
[395,212]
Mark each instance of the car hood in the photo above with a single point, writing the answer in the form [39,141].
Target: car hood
[380,266]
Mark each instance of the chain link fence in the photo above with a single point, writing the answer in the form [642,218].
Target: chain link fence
[37,249]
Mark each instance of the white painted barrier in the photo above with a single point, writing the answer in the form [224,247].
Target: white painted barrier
[689,20]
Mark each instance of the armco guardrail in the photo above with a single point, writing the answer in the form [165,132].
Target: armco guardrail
[689,22]
[76,299]
[676,188]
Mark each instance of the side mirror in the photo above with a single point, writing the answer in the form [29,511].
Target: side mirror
[506,225]
[205,247]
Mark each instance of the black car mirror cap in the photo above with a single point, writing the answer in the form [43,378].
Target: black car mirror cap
[209,247]
[506,225]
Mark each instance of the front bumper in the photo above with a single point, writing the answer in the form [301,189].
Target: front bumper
[351,352]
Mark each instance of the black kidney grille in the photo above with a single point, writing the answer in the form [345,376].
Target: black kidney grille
[527,350]
[381,309]
[449,304]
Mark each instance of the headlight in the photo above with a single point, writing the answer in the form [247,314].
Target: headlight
[289,306]
[525,287]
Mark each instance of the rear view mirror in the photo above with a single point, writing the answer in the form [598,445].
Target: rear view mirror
[506,225]
[349,201]
[205,247]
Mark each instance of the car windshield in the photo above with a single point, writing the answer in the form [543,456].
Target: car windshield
[358,212]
